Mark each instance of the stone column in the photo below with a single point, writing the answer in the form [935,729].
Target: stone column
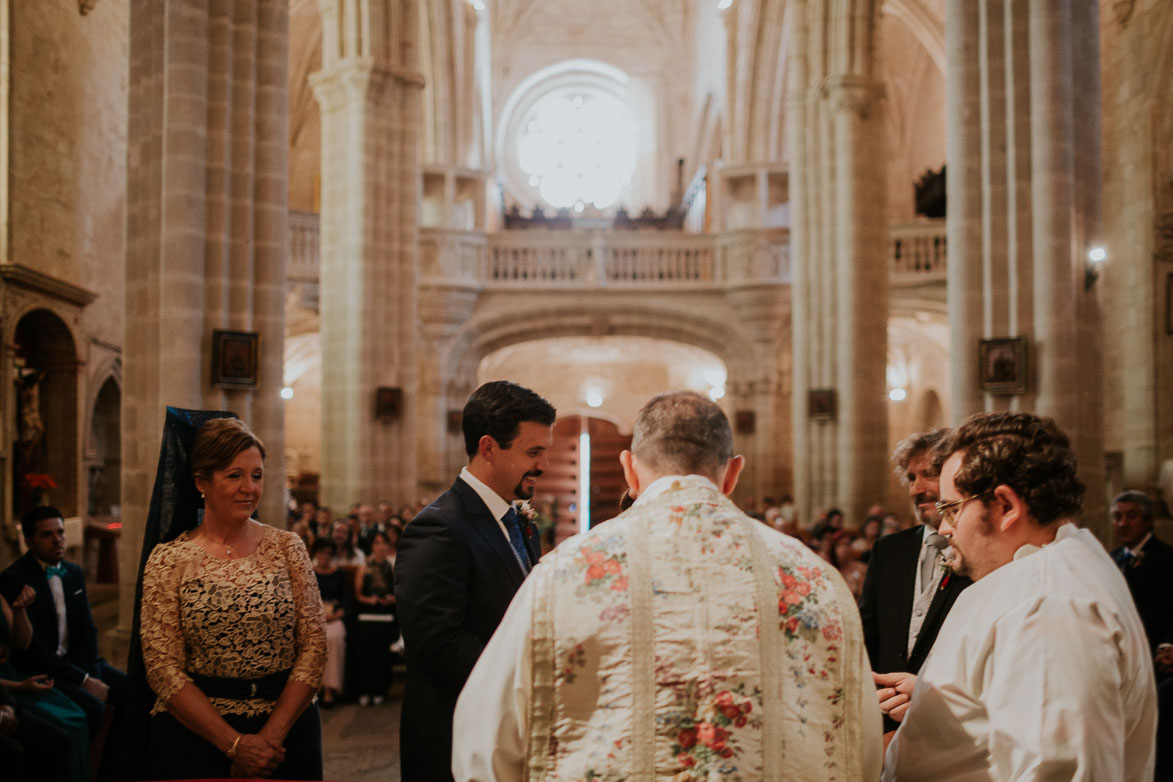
[838,247]
[368,90]
[206,232]
[1024,209]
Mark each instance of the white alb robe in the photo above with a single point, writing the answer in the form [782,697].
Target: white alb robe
[635,651]
[1040,672]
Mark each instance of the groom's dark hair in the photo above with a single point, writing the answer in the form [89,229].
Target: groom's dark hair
[497,409]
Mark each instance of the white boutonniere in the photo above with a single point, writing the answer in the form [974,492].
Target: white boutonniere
[525,510]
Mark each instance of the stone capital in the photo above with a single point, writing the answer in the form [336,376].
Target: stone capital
[854,94]
[359,79]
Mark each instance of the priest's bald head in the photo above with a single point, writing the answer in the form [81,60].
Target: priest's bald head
[681,433]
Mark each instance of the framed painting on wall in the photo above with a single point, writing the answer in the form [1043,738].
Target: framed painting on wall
[1002,365]
[235,359]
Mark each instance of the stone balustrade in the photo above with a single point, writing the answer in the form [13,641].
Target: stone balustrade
[304,248]
[611,259]
[917,251]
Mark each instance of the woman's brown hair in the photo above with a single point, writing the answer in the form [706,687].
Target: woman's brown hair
[218,442]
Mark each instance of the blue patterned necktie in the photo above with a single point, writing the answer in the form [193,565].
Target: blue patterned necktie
[513,527]
[55,570]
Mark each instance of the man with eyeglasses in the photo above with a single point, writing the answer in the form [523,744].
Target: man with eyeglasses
[908,590]
[1042,669]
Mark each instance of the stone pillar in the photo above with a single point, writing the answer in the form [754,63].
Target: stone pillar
[838,247]
[206,232]
[1024,209]
[368,90]
[1138,216]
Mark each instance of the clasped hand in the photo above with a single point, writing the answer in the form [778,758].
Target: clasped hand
[1164,658]
[257,756]
[26,598]
[895,692]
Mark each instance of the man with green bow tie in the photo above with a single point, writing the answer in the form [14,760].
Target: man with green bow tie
[65,639]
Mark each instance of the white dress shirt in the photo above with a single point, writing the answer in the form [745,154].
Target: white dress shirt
[57,589]
[1041,671]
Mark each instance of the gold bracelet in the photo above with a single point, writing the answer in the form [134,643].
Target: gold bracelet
[232,750]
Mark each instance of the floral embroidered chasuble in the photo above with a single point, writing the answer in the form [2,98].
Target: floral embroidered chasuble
[684,640]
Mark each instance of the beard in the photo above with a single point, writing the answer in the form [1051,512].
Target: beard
[956,558]
[520,491]
[929,517]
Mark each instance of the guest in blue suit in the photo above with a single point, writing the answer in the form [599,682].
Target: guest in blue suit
[460,562]
[65,639]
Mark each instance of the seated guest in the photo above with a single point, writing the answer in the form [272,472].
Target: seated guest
[869,533]
[43,734]
[65,639]
[321,524]
[233,640]
[844,559]
[348,553]
[303,531]
[374,590]
[333,588]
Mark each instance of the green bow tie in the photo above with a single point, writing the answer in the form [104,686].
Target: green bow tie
[55,570]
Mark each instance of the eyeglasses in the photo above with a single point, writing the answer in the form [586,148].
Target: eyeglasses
[948,510]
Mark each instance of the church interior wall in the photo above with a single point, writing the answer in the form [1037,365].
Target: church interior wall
[305,124]
[914,115]
[1137,91]
[714,84]
[67,162]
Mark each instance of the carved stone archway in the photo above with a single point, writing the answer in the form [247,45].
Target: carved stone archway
[706,321]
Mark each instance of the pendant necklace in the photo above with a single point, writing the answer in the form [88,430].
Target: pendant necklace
[228,546]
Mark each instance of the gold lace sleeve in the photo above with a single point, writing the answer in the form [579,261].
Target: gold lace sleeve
[310,626]
[164,655]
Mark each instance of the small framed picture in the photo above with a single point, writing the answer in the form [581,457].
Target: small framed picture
[455,418]
[822,404]
[388,403]
[235,359]
[745,421]
[1002,365]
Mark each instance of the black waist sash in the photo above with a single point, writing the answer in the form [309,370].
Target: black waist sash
[268,687]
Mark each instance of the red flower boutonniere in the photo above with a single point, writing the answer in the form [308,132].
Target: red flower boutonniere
[946,575]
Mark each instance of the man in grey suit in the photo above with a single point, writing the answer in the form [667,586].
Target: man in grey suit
[908,591]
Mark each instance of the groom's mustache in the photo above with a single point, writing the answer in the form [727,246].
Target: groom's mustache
[533,474]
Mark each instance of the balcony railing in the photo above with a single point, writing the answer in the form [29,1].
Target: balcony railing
[562,259]
[304,252]
[917,251]
[610,259]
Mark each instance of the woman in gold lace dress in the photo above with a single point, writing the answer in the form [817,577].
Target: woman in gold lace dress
[232,632]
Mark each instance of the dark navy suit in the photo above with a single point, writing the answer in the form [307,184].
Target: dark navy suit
[455,574]
[81,658]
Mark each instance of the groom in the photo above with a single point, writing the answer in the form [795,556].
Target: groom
[461,560]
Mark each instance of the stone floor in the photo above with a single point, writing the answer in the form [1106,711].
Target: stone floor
[361,743]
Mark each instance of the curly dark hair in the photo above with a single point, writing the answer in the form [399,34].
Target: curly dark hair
[915,445]
[1026,452]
